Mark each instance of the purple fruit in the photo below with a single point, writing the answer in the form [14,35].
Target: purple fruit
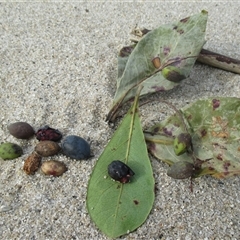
[119,171]
[46,133]
[76,147]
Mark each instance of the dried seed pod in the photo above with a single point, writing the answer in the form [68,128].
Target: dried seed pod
[54,168]
[32,163]
[10,151]
[156,62]
[21,130]
[47,148]
[181,170]
[182,143]
[47,133]
[119,171]
[173,74]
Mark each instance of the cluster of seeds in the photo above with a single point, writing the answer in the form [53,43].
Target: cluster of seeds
[72,146]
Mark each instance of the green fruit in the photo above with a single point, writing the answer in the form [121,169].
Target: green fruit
[10,151]
[173,74]
[182,143]
[181,170]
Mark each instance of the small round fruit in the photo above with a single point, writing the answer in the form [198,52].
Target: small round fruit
[47,148]
[181,170]
[54,168]
[173,74]
[47,133]
[119,171]
[182,143]
[21,130]
[32,163]
[10,151]
[76,147]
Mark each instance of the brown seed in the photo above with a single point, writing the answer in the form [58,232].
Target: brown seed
[47,148]
[21,130]
[156,62]
[32,163]
[54,168]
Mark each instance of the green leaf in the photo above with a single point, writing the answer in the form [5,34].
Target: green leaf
[214,125]
[118,208]
[176,45]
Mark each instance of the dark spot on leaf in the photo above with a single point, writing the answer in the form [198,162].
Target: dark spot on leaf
[175,27]
[136,202]
[219,146]
[156,129]
[118,186]
[167,132]
[180,31]
[113,149]
[166,51]
[211,168]
[226,166]
[219,157]
[203,132]
[184,20]
[151,146]
[215,103]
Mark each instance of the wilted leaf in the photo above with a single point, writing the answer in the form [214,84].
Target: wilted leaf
[119,208]
[214,125]
[176,45]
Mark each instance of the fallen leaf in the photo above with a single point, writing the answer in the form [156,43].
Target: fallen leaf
[214,125]
[118,208]
[176,45]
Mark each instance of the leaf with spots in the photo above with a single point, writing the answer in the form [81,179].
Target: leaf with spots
[160,60]
[214,125]
[118,208]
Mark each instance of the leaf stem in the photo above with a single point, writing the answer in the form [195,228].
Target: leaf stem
[134,109]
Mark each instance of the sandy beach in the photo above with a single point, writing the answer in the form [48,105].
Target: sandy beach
[59,68]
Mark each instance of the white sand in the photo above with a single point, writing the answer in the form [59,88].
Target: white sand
[58,67]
